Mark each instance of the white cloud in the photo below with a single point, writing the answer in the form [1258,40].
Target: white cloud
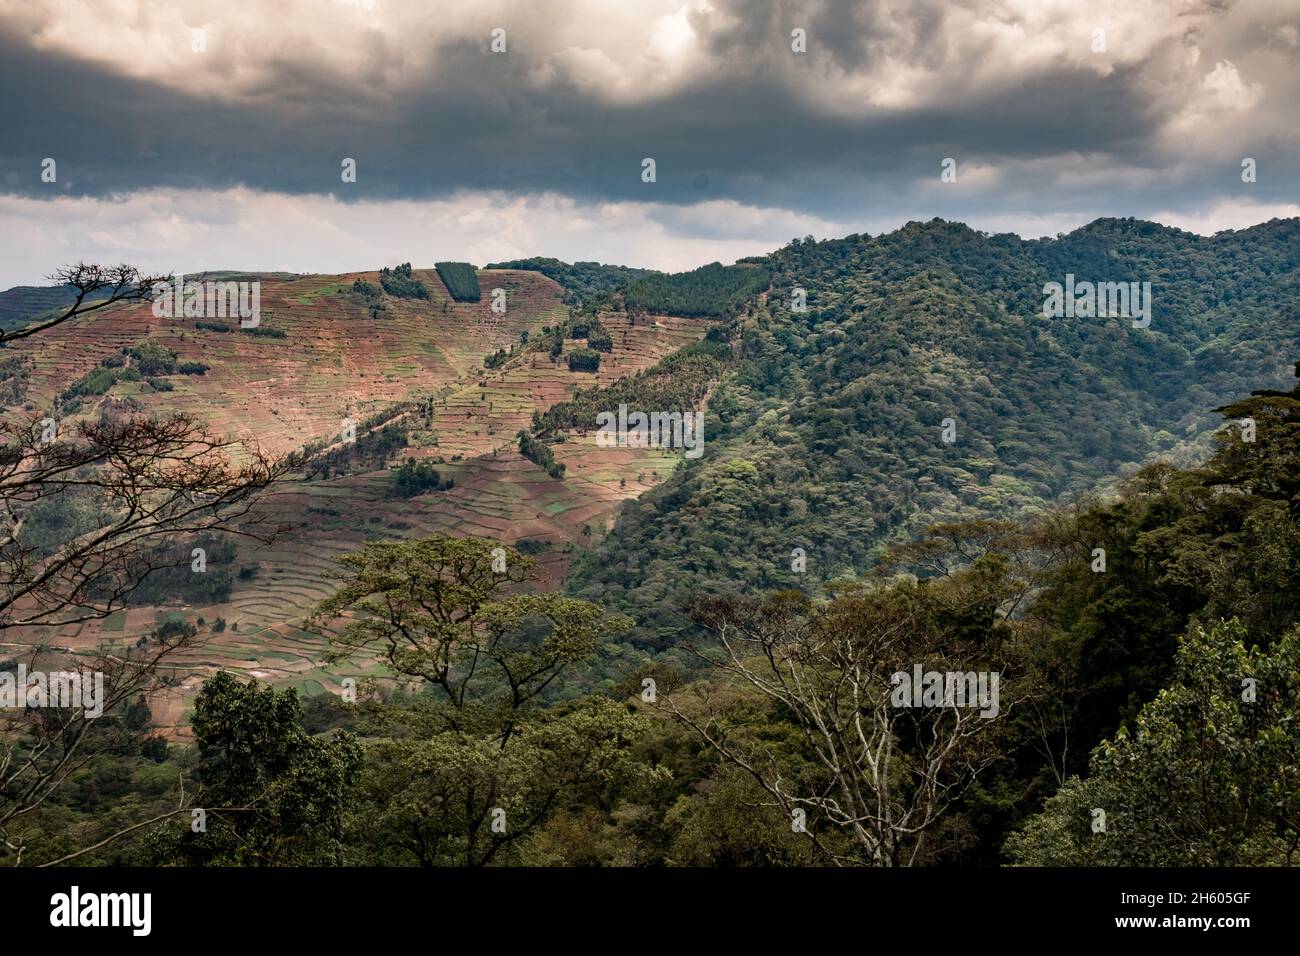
[914,54]
[626,51]
[189,231]
[1226,215]
[1222,101]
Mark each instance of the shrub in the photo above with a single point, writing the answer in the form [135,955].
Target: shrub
[584,360]
[400,284]
[153,359]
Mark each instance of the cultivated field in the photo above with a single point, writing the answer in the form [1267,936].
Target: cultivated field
[336,361]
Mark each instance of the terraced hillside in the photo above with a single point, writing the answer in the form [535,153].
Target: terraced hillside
[486,414]
[335,360]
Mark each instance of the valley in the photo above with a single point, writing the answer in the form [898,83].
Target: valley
[871,350]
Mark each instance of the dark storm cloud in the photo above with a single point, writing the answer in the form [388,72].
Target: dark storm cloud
[759,125]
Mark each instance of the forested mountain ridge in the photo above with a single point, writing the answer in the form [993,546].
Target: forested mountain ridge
[28,301]
[591,719]
[584,282]
[826,433]
[1197,602]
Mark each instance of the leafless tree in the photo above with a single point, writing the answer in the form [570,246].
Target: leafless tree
[1025,559]
[95,287]
[881,775]
[41,747]
[147,482]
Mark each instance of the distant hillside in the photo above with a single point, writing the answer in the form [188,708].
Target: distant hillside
[825,410]
[714,290]
[24,302]
[826,430]
[410,371]
[321,353]
[584,282]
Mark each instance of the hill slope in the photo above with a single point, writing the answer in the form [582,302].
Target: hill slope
[415,382]
[826,433]
[824,430]
[333,360]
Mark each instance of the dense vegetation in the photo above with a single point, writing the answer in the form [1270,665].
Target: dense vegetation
[679,383]
[826,430]
[584,360]
[1161,687]
[715,290]
[539,452]
[585,283]
[582,324]
[415,478]
[461,280]
[371,297]
[176,579]
[377,441]
[146,362]
[586,324]
[400,284]
[154,359]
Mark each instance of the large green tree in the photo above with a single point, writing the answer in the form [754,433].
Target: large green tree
[1210,774]
[477,762]
[270,793]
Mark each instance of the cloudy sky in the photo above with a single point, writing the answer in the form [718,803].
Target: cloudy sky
[179,151]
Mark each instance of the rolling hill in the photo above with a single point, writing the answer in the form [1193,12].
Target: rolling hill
[419,367]
[827,395]
[826,432]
